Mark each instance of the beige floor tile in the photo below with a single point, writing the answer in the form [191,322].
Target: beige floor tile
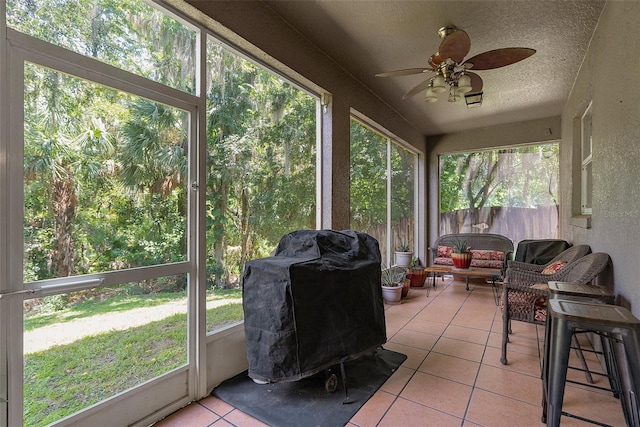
[469,320]
[476,336]
[518,362]
[194,415]
[410,414]
[429,390]
[489,409]
[451,368]
[397,381]
[511,384]
[415,356]
[415,339]
[461,349]
[372,412]
[426,326]
[216,405]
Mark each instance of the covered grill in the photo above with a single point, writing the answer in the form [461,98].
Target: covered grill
[316,303]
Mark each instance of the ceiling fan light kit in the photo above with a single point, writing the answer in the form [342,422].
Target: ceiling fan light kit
[452,73]
[473,100]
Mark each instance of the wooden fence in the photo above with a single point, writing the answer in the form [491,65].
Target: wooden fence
[515,223]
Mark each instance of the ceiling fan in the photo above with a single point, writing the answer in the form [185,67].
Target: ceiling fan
[450,70]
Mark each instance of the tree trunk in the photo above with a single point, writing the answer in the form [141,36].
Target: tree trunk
[64,211]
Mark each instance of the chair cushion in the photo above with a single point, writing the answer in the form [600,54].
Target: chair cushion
[486,263]
[541,302]
[553,267]
[444,251]
[487,254]
[523,302]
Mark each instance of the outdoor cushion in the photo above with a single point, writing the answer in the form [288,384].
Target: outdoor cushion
[487,254]
[553,267]
[444,251]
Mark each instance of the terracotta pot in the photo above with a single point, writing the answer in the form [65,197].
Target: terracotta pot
[417,277]
[461,260]
[405,287]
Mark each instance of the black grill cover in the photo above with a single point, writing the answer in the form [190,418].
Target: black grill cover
[316,302]
[540,251]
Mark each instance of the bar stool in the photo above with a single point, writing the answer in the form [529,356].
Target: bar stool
[585,293]
[566,316]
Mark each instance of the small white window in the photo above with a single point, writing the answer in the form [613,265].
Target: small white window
[586,182]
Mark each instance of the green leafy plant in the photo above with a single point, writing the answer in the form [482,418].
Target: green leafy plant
[392,276]
[460,246]
[403,245]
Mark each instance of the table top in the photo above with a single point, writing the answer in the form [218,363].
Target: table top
[575,289]
[472,271]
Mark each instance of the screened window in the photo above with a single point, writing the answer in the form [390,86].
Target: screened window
[261,170]
[129,34]
[382,190]
[513,192]
[104,178]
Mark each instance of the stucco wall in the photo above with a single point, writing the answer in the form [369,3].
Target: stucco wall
[607,77]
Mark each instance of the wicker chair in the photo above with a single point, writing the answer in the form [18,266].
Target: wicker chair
[568,256]
[525,293]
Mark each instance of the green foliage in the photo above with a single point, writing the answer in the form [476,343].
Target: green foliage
[518,177]
[391,276]
[460,246]
[64,379]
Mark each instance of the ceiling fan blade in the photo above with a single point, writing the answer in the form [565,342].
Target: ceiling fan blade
[499,57]
[476,82]
[422,86]
[455,46]
[405,72]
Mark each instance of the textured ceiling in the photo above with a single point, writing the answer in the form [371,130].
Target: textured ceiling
[369,37]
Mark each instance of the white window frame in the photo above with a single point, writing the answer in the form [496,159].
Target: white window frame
[586,156]
[21,48]
[417,188]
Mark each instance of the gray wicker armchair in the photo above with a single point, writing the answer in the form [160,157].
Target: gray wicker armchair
[568,256]
[525,293]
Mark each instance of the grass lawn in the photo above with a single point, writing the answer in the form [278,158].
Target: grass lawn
[64,379]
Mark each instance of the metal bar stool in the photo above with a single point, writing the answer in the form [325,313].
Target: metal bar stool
[566,316]
[585,293]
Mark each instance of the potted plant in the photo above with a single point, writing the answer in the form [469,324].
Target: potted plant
[392,283]
[461,255]
[417,275]
[404,254]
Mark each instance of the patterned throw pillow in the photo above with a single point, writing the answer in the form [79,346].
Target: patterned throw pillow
[553,267]
[444,251]
[487,254]
[480,254]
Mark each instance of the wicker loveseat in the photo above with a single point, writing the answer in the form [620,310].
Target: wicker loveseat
[488,250]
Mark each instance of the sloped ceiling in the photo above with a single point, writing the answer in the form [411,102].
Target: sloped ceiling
[369,37]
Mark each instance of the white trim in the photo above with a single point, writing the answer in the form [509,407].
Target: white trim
[86,68]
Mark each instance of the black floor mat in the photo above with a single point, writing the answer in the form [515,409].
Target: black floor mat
[306,402]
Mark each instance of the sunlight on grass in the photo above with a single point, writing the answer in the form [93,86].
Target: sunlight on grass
[67,378]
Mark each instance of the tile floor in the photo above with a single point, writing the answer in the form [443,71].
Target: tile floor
[452,375]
